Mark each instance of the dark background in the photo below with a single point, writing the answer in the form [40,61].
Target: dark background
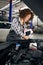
[36,6]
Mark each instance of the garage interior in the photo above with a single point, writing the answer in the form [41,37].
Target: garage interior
[7,52]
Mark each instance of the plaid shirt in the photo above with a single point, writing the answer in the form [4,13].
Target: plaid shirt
[17,27]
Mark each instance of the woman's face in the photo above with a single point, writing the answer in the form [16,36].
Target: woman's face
[27,18]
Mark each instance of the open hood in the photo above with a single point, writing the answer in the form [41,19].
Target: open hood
[36,6]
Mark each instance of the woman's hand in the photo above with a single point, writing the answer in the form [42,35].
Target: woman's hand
[25,37]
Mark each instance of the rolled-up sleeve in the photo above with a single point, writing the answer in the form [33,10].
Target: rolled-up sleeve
[16,27]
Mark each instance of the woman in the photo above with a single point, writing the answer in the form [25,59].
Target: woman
[18,26]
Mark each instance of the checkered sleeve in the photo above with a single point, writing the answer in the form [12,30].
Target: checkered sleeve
[16,27]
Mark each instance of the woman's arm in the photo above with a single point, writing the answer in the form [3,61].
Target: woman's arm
[17,29]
